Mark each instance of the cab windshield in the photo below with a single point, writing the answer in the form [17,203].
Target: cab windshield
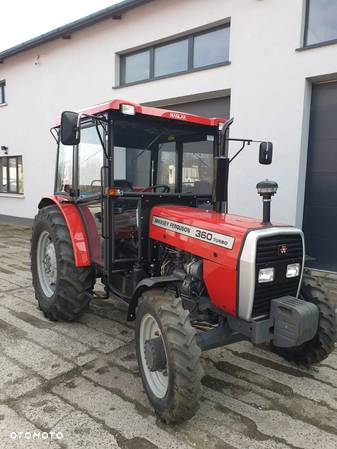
[178,156]
[146,152]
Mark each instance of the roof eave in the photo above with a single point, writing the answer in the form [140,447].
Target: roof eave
[71,27]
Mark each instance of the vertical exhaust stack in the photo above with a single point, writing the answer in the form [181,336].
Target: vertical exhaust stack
[266,189]
[221,171]
[220,191]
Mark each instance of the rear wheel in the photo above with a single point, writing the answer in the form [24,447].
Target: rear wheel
[60,287]
[168,356]
[319,348]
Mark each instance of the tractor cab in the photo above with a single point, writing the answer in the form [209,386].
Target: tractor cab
[118,160]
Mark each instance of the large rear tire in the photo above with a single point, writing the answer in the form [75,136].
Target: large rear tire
[61,289]
[168,356]
[319,348]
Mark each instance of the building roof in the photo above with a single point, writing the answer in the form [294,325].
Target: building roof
[113,12]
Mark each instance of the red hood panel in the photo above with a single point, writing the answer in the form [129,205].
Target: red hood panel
[213,220]
[216,238]
[223,251]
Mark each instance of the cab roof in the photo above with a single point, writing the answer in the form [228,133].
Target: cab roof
[151,111]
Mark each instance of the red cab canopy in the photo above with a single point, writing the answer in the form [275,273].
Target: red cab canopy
[155,112]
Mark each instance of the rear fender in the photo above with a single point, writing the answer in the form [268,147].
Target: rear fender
[75,227]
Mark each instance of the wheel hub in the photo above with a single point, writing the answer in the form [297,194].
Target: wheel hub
[155,354]
[50,262]
[47,263]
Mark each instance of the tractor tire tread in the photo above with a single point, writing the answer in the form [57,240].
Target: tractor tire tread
[184,352]
[320,347]
[74,284]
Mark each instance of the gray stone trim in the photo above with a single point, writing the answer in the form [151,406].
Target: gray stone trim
[9,219]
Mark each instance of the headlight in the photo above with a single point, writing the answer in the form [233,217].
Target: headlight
[266,275]
[293,270]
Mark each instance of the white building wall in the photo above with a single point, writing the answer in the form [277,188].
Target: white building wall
[267,79]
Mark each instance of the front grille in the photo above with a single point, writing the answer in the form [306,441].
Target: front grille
[267,250]
[268,254]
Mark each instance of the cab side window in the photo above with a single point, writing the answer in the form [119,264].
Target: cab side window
[64,178]
[198,167]
[90,162]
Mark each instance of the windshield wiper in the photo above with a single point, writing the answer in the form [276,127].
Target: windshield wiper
[153,141]
[148,147]
[201,159]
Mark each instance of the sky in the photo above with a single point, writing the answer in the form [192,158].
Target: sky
[22,20]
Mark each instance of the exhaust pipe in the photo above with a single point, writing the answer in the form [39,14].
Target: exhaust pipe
[221,171]
[266,189]
[221,167]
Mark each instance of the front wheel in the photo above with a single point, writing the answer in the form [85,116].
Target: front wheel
[319,348]
[168,356]
[62,289]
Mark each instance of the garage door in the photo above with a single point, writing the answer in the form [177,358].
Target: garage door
[216,107]
[320,210]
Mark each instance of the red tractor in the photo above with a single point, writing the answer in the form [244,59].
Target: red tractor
[141,202]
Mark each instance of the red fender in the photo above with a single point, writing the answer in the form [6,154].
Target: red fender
[75,226]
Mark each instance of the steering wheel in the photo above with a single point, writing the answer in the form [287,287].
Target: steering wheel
[165,187]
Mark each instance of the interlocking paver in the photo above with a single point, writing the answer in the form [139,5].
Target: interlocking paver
[18,433]
[82,379]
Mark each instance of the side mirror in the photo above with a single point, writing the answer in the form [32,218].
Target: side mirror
[266,153]
[70,131]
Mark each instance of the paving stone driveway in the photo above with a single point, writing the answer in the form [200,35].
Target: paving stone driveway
[81,379]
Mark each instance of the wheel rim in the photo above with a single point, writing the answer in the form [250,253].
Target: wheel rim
[46,264]
[157,380]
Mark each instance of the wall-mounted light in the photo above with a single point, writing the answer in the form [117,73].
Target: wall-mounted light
[4,149]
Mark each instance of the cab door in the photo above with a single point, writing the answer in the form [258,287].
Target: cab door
[90,162]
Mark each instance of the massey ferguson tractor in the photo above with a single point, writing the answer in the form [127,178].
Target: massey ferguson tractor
[140,203]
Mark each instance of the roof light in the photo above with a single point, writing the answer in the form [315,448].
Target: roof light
[128,109]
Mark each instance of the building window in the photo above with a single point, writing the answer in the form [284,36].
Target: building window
[11,174]
[2,92]
[193,52]
[136,67]
[211,48]
[171,58]
[321,22]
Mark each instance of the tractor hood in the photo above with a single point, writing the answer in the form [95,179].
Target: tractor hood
[207,234]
